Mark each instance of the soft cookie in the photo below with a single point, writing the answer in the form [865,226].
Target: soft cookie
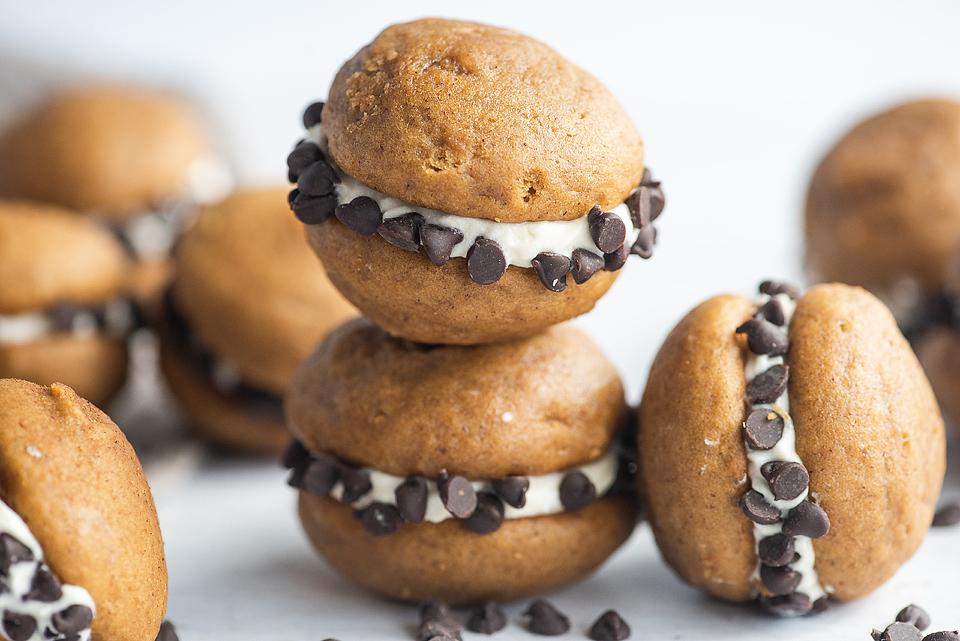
[791,449]
[465,184]
[462,473]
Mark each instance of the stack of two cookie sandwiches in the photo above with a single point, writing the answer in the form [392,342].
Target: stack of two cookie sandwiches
[467,189]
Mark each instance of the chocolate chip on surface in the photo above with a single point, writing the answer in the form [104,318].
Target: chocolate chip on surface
[773,311]
[356,482]
[402,231]
[767,386]
[948,515]
[381,519]
[788,605]
[485,261]
[914,615]
[609,627]
[821,605]
[457,495]
[411,496]
[944,635]
[167,632]
[544,619]
[780,580]
[72,619]
[44,586]
[806,519]
[313,211]
[18,627]
[12,551]
[436,610]
[513,490]
[317,179]
[552,270]
[487,516]
[900,631]
[646,239]
[757,509]
[763,337]
[607,230]
[435,629]
[295,455]
[303,155]
[615,260]
[584,264]
[787,480]
[438,242]
[576,491]
[312,114]
[486,619]
[763,429]
[774,287]
[362,215]
[776,550]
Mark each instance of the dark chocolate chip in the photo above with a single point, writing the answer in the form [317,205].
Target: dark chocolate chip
[488,515]
[437,630]
[513,490]
[295,455]
[18,627]
[758,510]
[552,270]
[657,199]
[609,627]
[646,239]
[458,495]
[900,631]
[12,551]
[607,230]
[774,287]
[914,615]
[402,231]
[821,605]
[763,429]
[576,491]
[486,619]
[788,605]
[439,241]
[317,179]
[763,337]
[356,482]
[313,211]
[544,619]
[947,515]
[167,632]
[436,610]
[780,580]
[806,519]
[302,156]
[767,386]
[944,635]
[787,480]
[318,476]
[44,586]
[615,260]
[362,215]
[485,261]
[773,311]
[776,550]
[640,205]
[411,498]
[381,519]
[73,619]
[584,265]
[312,114]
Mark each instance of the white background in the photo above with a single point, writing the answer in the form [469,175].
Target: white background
[736,102]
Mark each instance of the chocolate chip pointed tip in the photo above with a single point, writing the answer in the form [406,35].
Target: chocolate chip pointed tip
[914,615]
[807,519]
[438,242]
[512,490]
[542,618]
[167,632]
[487,618]
[362,215]
[402,231]
[610,626]
[312,114]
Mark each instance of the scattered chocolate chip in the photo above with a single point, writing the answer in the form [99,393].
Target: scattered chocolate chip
[295,454]
[821,605]
[767,386]
[607,230]
[576,491]
[945,635]
[901,632]
[788,605]
[302,156]
[318,476]
[513,490]
[763,429]
[362,215]
[763,337]
[18,627]
[411,498]
[773,311]
[776,550]
[381,519]
[947,515]
[780,580]
[311,115]
[486,619]
[436,630]
[584,265]
[12,551]
[609,627]
[615,260]
[457,495]
[167,632]
[646,239]
[915,616]
[356,482]
[438,242]
[436,610]
[317,179]
[402,231]
[758,510]
[787,480]
[552,270]
[806,519]
[313,211]
[485,261]
[44,587]
[487,516]
[544,619]
[72,619]
[773,287]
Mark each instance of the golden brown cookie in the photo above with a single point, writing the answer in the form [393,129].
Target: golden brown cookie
[70,481]
[717,425]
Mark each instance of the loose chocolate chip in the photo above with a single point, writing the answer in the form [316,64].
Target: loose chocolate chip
[609,627]
[763,429]
[72,619]
[788,605]
[436,610]
[806,519]
[646,239]
[552,269]
[767,386]
[776,550]
[901,632]
[302,156]
[774,287]
[485,261]
[606,229]
[356,482]
[821,605]
[914,615]
[486,619]
[436,630]
[318,476]
[295,455]
[544,619]
[44,587]
[457,495]
[167,632]
[584,265]
[313,211]
[381,519]
[513,490]
[438,242]
[758,510]
[773,311]
[18,627]
[615,260]
[311,115]
[576,491]
[317,179]
[487,516]
[947,515]
[780,580]
[787,480]
[945,635]
[763,337]
[402,231]
[362,215]
[12,551]
[411,498]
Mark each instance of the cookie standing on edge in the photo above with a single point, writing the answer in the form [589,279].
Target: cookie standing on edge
[465,184]
[790,449]
[249,301]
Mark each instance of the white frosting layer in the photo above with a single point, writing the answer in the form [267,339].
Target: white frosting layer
[785,450]
[16,329]
[20,576]
[543,495]
[520,242]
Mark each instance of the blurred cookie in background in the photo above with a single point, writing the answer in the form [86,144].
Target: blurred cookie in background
[249,301]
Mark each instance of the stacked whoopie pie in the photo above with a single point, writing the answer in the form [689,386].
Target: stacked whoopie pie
[466,188]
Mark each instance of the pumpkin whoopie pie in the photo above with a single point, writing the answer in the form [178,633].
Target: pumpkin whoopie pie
[80,546]
[226,360]
[790,448]
[63,314]
[465,184]
[462,473]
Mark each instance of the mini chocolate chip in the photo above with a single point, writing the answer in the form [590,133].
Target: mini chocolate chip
[411,498]
[776,550]
[313,211]
[767,386]
[821,605]
[402,231]
[18,627]
[381,519]
[646,239]
[780,580]
[544,619]
[318,476]
[485,261]
[312,114]
[944,635]
[72,619]
[607,230]
[763,337]
[167,632]
[914,615]
[487,516]
[486,619]
[362,215]
[552,269]
[44,587]
[295,455]
[12,551]
[773,311]
[757,509]
[317,179]
[457,495]
[609,627]
[438,242]
[947,515]
[434,630]
[900,631]
[436,610]
[513,490]
[788,605]
[774,287]
[356,482]
[787,480]
[584,265]
[302,156]
[806,519]
[763,429]
[576,491]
